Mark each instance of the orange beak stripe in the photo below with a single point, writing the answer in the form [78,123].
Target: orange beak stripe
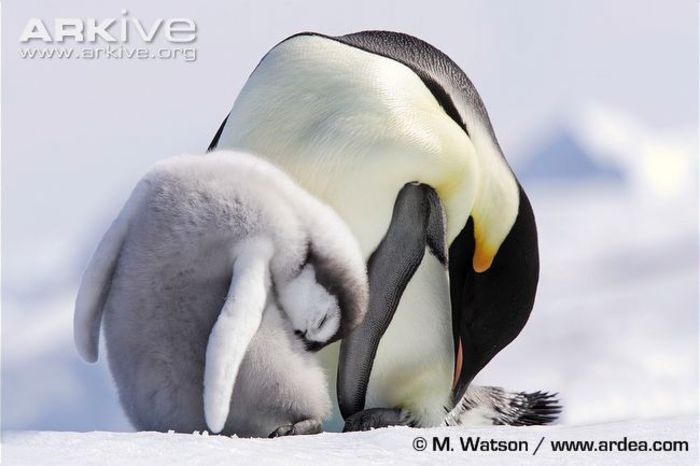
[458,363]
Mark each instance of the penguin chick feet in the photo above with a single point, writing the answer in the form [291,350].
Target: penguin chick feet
[305,427]
[376,418]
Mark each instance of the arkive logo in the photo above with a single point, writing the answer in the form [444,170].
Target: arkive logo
[121,29]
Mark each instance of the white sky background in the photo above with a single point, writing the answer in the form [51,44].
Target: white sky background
[79,134]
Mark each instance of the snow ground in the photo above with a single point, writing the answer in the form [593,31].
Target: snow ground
[385,446]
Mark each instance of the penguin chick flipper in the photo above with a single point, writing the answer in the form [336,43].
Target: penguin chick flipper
[417,221]
[376,418]
[97,278]
[235,327]
[305,427]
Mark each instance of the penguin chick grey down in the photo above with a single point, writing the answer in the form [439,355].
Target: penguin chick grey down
[215,281]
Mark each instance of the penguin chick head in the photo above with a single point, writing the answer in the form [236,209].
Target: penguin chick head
[329,295]
[312,310]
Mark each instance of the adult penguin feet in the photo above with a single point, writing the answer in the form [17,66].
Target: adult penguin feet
[376,418]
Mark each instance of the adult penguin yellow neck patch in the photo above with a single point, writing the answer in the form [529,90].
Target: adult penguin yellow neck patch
[496,204]
[483,255]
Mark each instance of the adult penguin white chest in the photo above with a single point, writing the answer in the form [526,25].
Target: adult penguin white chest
[355,120]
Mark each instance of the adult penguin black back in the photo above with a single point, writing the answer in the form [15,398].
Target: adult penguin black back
[391,133]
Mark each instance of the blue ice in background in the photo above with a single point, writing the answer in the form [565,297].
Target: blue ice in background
[599,122]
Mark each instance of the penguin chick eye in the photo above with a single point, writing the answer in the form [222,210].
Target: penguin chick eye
[326,327]
[323,321]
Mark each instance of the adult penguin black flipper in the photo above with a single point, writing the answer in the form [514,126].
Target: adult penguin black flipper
[417,223]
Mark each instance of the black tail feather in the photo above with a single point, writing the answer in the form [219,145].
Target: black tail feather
[538,408]
[501,407]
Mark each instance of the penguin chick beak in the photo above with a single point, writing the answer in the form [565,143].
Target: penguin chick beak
[312,346]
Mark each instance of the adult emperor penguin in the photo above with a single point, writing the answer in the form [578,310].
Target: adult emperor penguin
[393,135]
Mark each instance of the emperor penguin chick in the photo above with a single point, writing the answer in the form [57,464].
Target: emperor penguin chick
[215,282]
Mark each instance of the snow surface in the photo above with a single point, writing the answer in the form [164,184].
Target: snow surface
[384,446]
